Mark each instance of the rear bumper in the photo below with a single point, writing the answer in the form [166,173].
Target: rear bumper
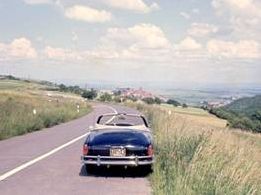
[124,161]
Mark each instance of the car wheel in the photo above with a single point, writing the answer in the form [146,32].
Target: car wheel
[149,169]
[89,168]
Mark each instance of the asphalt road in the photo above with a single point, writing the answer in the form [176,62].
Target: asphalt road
[48,162]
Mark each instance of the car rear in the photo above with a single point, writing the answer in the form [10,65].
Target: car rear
[123,147]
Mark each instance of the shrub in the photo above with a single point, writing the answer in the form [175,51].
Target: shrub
[106,97]
[184,105]
[173,102]
[157,100]
[89,94]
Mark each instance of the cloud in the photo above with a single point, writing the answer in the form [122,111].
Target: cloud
[87,14]
[140,42]
[201,29]
[140,36]
[244,16]
[248,49]
[20,48]
[134,5]
[77,12]
[185,15]
[188,44]
[148,43]
[189,50]
[61,54]
[239,7]
[148,36]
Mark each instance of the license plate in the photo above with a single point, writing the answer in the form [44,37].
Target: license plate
[118,152]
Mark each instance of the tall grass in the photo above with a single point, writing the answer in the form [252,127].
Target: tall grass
[197,158]
[22,113]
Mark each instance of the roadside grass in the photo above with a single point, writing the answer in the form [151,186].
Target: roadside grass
[195,157]
[22,112]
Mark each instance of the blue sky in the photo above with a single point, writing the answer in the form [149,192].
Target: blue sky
[192,41]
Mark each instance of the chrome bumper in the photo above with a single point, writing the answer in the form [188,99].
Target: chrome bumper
[125,161]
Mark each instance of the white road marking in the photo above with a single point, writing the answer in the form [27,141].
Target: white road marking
[115,112]
[31,162]
[113,109]
[110,107]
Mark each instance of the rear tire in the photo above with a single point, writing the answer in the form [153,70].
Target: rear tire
[149,169]
[90,168]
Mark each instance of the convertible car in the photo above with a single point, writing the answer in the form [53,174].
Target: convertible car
[119,139]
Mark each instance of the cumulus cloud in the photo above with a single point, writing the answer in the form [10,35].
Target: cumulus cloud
[189,49]
[62,54]
[134,5]
[148,43]
[142,41]
[139,41]
[239,7]
[201,29]
[20,48]
[148,36]
[188,44]
[248,49]
[244,16]
[87,14]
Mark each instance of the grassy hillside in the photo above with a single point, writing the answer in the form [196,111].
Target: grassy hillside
[244,113]
[196,154]
[27,106]
[247,106]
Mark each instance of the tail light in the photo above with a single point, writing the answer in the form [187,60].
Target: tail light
[85,149]
[150,151]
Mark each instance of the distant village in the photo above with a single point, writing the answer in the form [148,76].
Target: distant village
[219,103]
[138,94]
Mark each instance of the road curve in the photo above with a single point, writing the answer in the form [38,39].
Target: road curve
[60,171]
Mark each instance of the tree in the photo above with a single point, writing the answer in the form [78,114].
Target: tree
[256,115]
[173,102]
[117,99]
[117,93]
[10,77]
[75,89]
[157,100]
[184,105]
[89,94]
[134,99]
[105,97]
[62,87]
[148,100]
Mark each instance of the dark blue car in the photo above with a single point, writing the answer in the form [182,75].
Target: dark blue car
[119,140]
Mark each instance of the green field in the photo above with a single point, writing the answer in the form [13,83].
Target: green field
[27,106]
